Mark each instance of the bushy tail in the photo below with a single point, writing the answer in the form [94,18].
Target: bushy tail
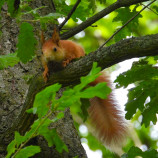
[107,118]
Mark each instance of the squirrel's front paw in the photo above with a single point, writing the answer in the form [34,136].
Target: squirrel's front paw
[45,76]
[65,63]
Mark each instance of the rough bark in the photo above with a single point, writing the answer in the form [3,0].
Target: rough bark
[14,88]
[16,96]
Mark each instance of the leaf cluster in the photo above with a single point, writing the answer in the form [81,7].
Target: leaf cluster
[123,15]
[144,95]
[46,104]
[8,60]
[26,34]
[135,151]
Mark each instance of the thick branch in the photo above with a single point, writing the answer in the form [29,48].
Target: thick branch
[108,56]
[101,14]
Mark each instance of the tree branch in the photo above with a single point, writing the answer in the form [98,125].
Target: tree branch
[150,9]
[69,15]
[53,5]
[101,14]
[125,25]
[108,56]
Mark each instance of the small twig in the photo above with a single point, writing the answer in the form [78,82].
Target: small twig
[30,20]
[118,4]
[124,26]
[33,134]
[69,15]
[150,9]
[94,25]
[53,5]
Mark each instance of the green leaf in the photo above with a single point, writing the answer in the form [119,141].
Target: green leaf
[140,71]
[33,131]
[151,60]
[122,34]
[47,133]
[85,104]
[150,111]
[100,90]
[72,96]
[11,9]
[155,7]
[92,5]
[51,17]
[60,146]
[43,98]
[64,9]
[8,60]
[34,12]
[26,43]
[19,139]
[28,151]
[11,148]
[102,1]
[132,153]
[59,116]
[51,136]
[93,74]
[144,95]
[124,15]
[137,98]
[1,3]
[135,151]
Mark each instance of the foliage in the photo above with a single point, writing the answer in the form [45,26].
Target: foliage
[1,3]
[25,50]
[142,98]
[144,95]
[52,105]
[135,151]
[124,14]
[8,60]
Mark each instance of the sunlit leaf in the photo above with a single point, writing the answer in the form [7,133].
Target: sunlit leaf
[28,151]
[42,100]
[8,60]
[26,43]
[11,148]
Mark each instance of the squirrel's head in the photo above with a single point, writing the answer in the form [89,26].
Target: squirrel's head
[52,50]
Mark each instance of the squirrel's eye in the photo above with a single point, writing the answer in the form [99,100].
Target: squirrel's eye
[54,49]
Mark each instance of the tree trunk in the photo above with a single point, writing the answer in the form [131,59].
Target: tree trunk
[14,90]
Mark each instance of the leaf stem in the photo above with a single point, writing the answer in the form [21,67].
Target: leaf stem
[33,134]
[30,20]
[151,10]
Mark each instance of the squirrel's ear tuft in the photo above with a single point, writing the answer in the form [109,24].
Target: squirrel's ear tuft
[55,36]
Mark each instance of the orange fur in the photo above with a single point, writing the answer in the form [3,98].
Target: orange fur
[60,51]
[104,114]
[107,118]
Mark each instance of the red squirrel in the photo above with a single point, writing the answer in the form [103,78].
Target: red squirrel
[104,113]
